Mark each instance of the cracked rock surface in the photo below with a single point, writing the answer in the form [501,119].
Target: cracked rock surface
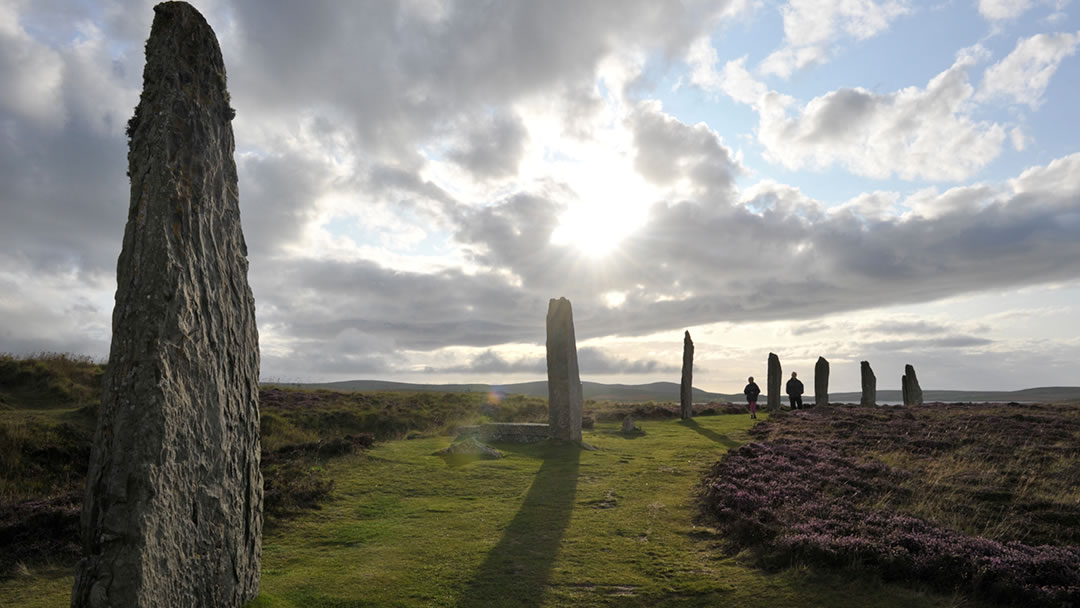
[172,514]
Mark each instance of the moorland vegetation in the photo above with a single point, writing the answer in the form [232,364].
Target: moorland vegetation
[940,505]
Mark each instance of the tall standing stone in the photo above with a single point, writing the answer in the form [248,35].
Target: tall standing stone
[686,392]
[869,384]
[774,382]
[821,382]
[565,406]
[909,383]
[172,514]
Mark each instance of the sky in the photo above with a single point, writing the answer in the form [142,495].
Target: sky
[883,180]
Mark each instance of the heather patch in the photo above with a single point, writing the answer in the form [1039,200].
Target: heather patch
[978,498]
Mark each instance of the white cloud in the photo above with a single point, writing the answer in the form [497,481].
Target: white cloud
[813,27]
[1018,139]
[913,133]
[1024,74]
[1003,9]
[32,73]
[734,81]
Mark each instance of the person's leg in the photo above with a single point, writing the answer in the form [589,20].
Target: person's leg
[753,409]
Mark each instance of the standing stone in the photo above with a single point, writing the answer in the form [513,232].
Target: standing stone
[773,384]
[565,405]
[821,382]
[628,425]
[172,514]
[910,385]
[869,384]
[686,394]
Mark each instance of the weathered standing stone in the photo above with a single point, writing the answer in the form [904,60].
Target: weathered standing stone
[172,514]
[686,393]
[821,382]
[869,384]
[773,384]
[565,405]
[909,383]
[628,425]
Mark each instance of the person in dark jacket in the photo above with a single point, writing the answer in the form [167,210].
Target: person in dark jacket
[794,391]
[752,391]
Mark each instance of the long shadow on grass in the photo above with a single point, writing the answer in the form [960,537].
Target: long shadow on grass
[517,570]
[723,440]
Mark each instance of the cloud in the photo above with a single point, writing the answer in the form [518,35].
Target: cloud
[900,326]
[1003,9]
[813,28]
[405,169]
[913,133]
[492,148]
[669,151]
[1023,75]
[591,361]
[928,343]
[490,362]
[734,81]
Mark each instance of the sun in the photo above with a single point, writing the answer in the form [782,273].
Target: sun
[590,230]
[598,223]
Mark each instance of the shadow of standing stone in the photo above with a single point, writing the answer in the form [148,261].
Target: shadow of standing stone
[172,514]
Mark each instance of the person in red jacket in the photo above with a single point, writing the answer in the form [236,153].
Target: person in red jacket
[794,390]
[752,391]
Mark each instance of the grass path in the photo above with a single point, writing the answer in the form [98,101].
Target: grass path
[548,525]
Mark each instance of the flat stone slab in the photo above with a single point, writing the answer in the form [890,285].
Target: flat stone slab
[510,432]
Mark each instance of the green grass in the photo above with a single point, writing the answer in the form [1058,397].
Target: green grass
[549,525]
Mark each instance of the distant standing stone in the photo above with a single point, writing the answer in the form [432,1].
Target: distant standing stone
[172,514]
[773,385]
[909,385]
[565,404]
[628,425]
[686,394]
[821,382]
[869,384]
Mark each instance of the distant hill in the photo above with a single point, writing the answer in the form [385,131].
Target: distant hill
[656,391]
[669,391]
